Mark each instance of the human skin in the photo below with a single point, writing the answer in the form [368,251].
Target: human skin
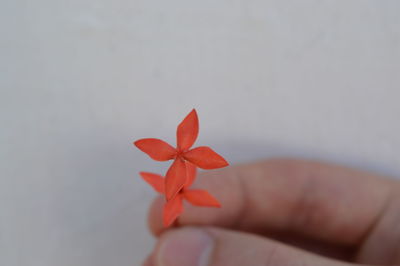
[284,212]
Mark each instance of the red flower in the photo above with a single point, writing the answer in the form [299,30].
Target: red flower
[174,207]
[202,157]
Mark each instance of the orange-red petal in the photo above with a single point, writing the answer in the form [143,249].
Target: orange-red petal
[172,209]
[187,131]
[175,178]
[154,180]
[191,172]
[200,197]
[204,157]
[157,149]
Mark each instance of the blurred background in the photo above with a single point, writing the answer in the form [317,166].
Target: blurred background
[81,79]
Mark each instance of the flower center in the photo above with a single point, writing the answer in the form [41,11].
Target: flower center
[179,153]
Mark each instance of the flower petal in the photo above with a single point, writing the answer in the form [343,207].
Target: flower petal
[200,197]
[191,172]
[175,178]
[157,149]
[155,180]
[204,157]
[172,209]
[187,131]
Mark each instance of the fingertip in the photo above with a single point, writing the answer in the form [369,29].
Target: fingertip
[183,247]
[149,261]
[155,216]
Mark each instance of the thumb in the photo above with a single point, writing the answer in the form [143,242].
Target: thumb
[206,246]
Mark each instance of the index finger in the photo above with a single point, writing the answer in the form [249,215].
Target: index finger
[317,200]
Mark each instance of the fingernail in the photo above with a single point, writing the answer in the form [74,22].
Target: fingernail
[183,247]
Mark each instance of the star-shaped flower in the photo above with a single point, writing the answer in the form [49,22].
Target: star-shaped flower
[203,157]
[174,207]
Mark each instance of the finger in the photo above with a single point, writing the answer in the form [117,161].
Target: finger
[316,200]
[148,261]
[382,246]
[326,249]
[219,247]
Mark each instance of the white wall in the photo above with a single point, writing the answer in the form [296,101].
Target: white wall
[81,79]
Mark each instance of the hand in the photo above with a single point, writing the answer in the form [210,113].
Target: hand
[285,212]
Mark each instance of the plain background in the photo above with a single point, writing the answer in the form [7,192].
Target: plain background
[81,79]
